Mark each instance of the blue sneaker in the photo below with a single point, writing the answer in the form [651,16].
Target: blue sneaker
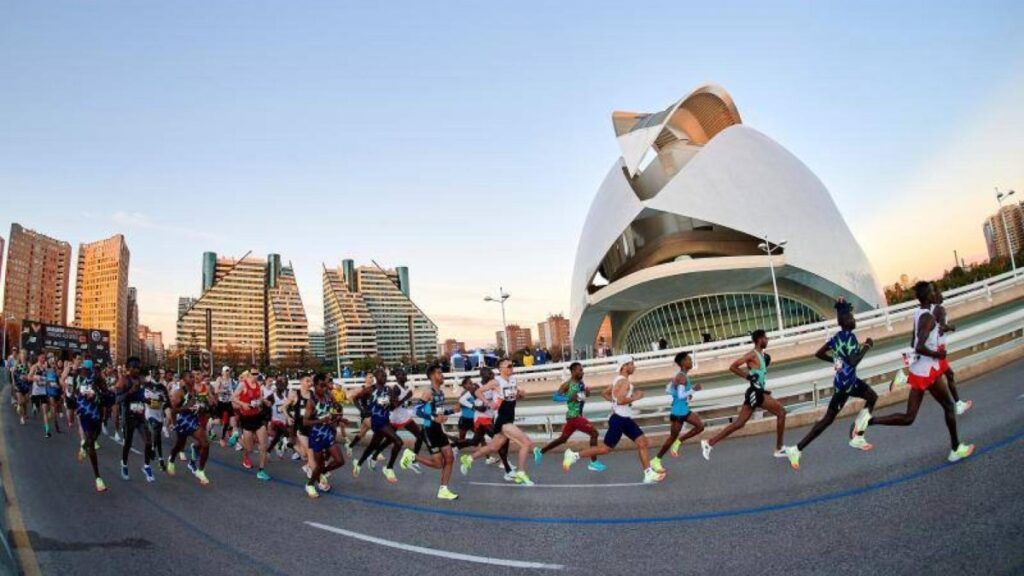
[596,466]
[148,471]
[537,455]
[124,471]
[192,466]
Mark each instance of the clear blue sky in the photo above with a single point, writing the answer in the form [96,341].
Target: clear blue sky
[466,139]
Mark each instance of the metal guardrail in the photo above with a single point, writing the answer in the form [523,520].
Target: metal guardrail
[652,411]
[817,332]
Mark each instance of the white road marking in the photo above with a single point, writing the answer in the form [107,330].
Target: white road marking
[512,485]
[438,553]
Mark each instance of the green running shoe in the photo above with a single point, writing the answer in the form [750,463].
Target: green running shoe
[443,493]
[656,465]
[962,451]
[674,450]
[408,457]
[465,463]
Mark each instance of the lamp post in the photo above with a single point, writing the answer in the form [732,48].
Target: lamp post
[768,248]
[502,297]
[1006,229]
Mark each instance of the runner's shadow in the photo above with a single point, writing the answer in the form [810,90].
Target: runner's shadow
[44,543]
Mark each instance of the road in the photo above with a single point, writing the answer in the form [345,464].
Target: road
[898,509]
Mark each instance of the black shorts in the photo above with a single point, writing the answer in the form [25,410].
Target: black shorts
[435,438]
[678,417]
[251,423]
[70,402]
[859,389]
[364,413]
[225,409]
[465,423]
[754,397]
[40,399]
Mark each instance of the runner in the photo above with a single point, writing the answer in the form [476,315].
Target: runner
[53,390]
[575,392]
[622,394]
[225,387]
[129,387]
[944,328]
[362,400]
[680,389]
[157,400]
[508,391]
[90,390]
[279,428]
[434,415]
[925,375]
[249,402]
[67,384]
[296,408]
[385,400]
[467,415]
[483,422]
[40,401]
[186,410]
[845,353]
[402,417]
[22,385]
[325,455]
[753,367]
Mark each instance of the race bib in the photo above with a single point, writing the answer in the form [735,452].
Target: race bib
[138,407]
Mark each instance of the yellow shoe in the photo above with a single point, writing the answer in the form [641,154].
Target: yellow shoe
[311,491]
[443,493]
[674,450]
[100,486]
[656,465]
[201,476]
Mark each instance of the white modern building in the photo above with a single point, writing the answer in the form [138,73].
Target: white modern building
[674,244]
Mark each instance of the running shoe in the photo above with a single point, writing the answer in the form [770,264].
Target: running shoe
[656,465]
[170,468]
[674,450]
[860,443]
[355,469]
[962,406]
[465,463]
[510,476]
[192,466]
[962,451]
[163,465]
[860,424]
[124,471]
[373,463]
[415,467]
[234,439]
[262,475]
[491,460]
[522,479]
[705,449]
[148,471]
[295,456]
[408,457]
[307,470]
[117,438]
[569,458]
[390,475]
[201,475]
[443,493]
[311,491]
[596,466]
[239,448]
[81,454]
[780,453]
[323,485]
[246,462]
[537,455]
[182,457]
[47,434]
[194,452]
[100,486]
[652,477]
[793,453]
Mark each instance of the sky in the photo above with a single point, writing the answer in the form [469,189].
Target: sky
[467,139]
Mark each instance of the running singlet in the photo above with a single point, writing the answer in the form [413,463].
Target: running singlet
[202,394]
[155,396]
[187,421]
[680,394]
[251,398]
[21,381]
[488,413]
[924,365]
[321,434]
[276,414]
[225,390]
[435,406]
[466,402]
[844,346]
[576,396]
[135,401]
[509,393]
[381,408]
[363,403]
[39,384]
[623,410]
[761,372]
[88,408]
[299,412]
[403,413]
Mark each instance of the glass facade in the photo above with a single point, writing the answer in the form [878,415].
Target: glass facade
[713,317]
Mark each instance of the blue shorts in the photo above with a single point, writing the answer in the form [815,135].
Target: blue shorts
[321,438]
[53,391]
[186,424]
[619,425]
[378,422]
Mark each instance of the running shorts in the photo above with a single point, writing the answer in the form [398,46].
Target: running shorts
[483,423]
[70,402]
[435,438]
[619,426]
[53,391]
[678,417]
[500,423]
[465,424]
[919,382]
[856,390]
[321,437]
[364,412]
[186,423]
[753,397]
[377,423]
[577,424]
[89,425]
[251,423]
[225,410]
[39,399]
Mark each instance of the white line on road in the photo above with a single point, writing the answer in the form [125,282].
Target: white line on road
[438,553]
[611,485]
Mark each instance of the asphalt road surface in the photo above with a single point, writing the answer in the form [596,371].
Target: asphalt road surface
[899,509]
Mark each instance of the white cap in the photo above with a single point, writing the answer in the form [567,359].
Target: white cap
[622,361]
[226,369]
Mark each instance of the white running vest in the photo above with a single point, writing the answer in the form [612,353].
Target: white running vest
[924,365]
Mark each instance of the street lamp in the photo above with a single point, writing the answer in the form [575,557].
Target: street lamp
[768,248]
[1006,229]
[502,296]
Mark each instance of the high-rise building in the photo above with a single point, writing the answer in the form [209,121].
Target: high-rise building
[38,273]
[518,338]
[101,291]
[152,351]
[317,345]
[368,312]
[996,233]
[254,310]
[554,333]
[134,341]
[451,346]
[184,303]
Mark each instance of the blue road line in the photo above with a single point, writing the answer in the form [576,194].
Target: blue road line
[801,503]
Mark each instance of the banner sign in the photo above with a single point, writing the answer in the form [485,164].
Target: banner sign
[39,338]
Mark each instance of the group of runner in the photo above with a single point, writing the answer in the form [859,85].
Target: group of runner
[257,415]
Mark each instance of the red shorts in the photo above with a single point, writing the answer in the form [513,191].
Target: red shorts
[577,424]
[923,382]
[483,423]
[400,425]
[944,363]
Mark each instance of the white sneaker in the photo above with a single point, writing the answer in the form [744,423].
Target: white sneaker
[491,460]
[117,438]
[568,459]
[239,447]
[780,453]
[705,450]
[415,467]
[308,471]
[652,477]
[510,476]
[962,406]
[860,424]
